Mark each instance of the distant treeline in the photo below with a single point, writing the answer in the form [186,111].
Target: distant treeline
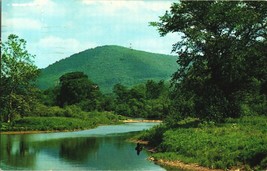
[213,96]
[148,100]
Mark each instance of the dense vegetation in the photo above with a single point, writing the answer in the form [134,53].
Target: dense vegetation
[62,122]
[222,58]
[218,102]
[75,102]
[16,79]
[148,100]
[238,143]
[70,105]
[110,65]
[214,110]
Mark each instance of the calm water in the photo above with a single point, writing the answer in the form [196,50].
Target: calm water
[103,148]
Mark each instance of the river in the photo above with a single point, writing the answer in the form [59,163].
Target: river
[102,148]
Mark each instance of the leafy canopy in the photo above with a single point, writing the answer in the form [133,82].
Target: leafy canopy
[75,87]
[17,75]
[222,52]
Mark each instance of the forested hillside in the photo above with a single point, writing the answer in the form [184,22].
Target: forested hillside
[109,65]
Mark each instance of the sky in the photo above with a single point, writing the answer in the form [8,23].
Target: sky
[56,29]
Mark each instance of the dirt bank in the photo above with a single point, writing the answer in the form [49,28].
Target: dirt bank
[181,165]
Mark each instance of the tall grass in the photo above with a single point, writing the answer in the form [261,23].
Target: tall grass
[92,120]
[239,142]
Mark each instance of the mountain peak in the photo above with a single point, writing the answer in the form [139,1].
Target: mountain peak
[111,64]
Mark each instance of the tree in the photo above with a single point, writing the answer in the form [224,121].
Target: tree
[153,89]
[17,77]
[121,93]
[75,87]
[222,52]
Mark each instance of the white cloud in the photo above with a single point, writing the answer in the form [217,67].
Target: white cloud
[112,7]
[152,45]
[157,44]
[47,7]
[22,4]
[158,5]
[68,44]
[129,18]
[35,3]
[22,23]
[55,48]
[118,4]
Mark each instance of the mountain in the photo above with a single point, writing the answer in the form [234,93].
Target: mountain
[109,65]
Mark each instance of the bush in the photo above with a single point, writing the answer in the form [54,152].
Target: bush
[75,112]
[84,121]
[154,135]
[238,142]
[45,111]
[50,123]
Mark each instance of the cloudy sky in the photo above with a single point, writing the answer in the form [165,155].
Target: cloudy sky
[56,29]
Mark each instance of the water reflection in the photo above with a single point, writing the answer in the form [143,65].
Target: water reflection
[102,152]
[138,148]
[17,152]
[77,149]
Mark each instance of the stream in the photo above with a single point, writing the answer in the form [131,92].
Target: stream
[102,148]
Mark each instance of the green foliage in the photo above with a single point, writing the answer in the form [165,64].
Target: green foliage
[17,75]
[238,142]
[255,104]
[72,111]
[63,119]
[109,65]
[74,88]
[76,91]
[49,124]
[105,117]
[154,135]
[153,89]
[222,56]
[182,106]
[106,103]
[140,101]
[49,96]
[173,156]
[121,92]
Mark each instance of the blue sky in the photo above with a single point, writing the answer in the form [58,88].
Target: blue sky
[56,29]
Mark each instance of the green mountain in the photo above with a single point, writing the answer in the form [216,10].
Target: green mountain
[109,65]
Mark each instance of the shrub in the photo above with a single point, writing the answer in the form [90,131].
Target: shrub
[154,135]
[238,142]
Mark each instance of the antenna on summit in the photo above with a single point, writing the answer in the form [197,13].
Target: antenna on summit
[130,46]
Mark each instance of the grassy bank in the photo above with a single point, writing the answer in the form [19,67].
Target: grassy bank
[91,120]
[238,143]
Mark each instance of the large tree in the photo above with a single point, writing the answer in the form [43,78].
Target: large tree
[75,87]
[17,76]
[154,89]
[222,52]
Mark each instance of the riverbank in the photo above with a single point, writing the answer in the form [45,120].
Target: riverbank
[70,120]
[238,144]
[183,166]
[140,120]
[173,164]
[28,125]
